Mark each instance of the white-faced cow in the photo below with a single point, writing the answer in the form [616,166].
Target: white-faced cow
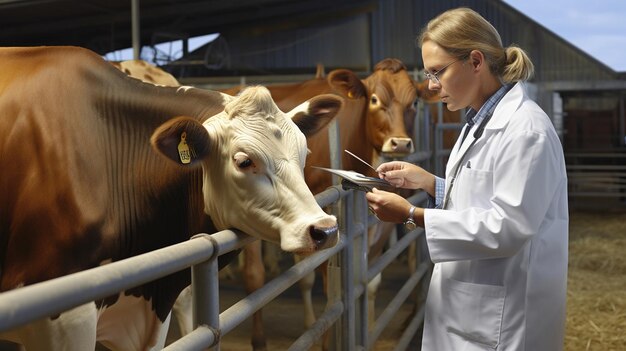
[81,185]
[372,125]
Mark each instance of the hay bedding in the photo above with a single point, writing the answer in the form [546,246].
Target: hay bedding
[596,294]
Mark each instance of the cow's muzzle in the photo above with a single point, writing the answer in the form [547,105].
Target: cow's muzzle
[398,146]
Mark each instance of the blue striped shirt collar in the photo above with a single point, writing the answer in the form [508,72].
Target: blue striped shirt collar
[472,117]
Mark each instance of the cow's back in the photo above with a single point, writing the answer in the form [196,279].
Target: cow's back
[47,201]
[79,174]
[80,184]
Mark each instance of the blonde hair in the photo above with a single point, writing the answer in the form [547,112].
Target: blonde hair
[461,30]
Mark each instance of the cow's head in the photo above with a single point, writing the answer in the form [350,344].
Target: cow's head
[253,157]
[391,96]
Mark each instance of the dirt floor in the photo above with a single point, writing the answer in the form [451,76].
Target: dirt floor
[596,296]
[283,317]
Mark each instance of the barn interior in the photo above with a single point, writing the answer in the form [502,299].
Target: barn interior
[275,41]
[267,41]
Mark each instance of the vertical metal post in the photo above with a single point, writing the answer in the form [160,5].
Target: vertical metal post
[334,147]
[417,126]
[557,114]
[361,261]
[205,294]
[341,282]
[185,46]
[135,28]
[426,134]
[622,120]
[346,259]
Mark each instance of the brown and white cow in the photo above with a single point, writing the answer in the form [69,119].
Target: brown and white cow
[81,184]
[372,125]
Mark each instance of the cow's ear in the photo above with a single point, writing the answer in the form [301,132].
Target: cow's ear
[183,140]
[425,94]
[315,113]
[346,83]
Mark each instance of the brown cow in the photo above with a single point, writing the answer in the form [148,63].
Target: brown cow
[81,185]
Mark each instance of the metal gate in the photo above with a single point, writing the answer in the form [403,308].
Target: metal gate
[440,154]
[349,273]
[596,180]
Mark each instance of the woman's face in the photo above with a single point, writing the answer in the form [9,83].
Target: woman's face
[455,87]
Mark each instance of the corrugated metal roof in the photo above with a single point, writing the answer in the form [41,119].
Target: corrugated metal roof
[285,36]
[105,25]
[389,28]
[397,24]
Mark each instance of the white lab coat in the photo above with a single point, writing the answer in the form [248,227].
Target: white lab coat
[500,249]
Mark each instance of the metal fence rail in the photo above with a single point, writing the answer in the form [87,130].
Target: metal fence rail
[23,305]
[350,270]
[599,176]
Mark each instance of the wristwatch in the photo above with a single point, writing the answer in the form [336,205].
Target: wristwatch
[409,224]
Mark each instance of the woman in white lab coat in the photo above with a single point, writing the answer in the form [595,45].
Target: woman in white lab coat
[498,235]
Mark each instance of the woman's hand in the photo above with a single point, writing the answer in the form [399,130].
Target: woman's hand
[407,175]
[388,207]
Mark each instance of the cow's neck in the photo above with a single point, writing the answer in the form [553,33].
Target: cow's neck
[353,132]
[152,194]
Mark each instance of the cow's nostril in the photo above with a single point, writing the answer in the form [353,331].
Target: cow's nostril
[320,235]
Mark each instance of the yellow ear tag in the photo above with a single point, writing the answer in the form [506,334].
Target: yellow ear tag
[183,149]
[350,94]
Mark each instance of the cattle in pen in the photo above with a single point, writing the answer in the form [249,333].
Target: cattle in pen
[369,106]
[97,167]
[372,125]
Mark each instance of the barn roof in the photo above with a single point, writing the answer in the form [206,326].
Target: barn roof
[105,25]
[283,36]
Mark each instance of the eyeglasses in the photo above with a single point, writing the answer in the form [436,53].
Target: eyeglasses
[434,77]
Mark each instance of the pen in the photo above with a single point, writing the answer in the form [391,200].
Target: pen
[360,159]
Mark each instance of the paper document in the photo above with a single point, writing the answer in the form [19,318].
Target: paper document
[358,181]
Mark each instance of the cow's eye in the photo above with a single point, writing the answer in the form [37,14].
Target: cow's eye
[374,100]
[245,163]
[242,160]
